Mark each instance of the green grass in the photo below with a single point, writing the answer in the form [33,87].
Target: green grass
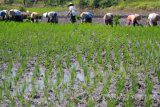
[38,9]
[139,4]
[47,9]
[128,5]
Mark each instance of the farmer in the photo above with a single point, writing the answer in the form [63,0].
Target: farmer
[133,19]
[72,12]
[34,17]
[15,14]
[86,17]
[26,14]
[52,16]
[2,14]
[108,19]
[153,18]
[6,14]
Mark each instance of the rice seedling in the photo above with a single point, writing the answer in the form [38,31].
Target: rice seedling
[1,94]
[73,76]
[111,102]
[8,69]
[149,86]
[90,102]
[120,84]
[37,70]
[12,101]
[24,87]
[134,82]
[129,102]
[106,85]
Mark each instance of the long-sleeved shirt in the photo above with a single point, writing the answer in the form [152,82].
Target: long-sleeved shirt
[73,10]
[154,17]
[108,16]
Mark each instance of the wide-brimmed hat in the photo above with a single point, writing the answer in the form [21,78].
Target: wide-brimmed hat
[70,4]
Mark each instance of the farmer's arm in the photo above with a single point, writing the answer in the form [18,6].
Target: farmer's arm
[70,10]
[136,22]
[69,13]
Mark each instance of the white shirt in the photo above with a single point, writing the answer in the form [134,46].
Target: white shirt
[45,14]
[17,12]
[50,14]
[5,11]
[153,16]
[73,10]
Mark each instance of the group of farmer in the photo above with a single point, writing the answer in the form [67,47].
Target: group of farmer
[17,15]
[85,17]
[134,19]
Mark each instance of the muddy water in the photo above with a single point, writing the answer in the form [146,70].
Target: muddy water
[39,99]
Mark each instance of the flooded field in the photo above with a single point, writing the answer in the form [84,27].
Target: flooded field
[79,65]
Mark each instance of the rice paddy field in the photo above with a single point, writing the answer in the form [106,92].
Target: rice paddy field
[79,65]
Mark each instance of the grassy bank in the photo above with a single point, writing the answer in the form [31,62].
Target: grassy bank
[127,5]
[138,4]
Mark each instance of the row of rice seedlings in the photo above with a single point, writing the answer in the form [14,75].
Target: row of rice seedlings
[46,87]
[96,80]
[97,26]
[127,58]
[90,102]
[99,56]
[7,83]
[73,76]
[134,83]
[149,86]
[118,42]
[129,102]
[112,101]
[20,72]
[12,82]
[60,75]
[155,58]
[145,65]
[33,92]
[107,83]
[19,94]
[86,74]
[120,83]
[134,86]
[1,93]
[8,70]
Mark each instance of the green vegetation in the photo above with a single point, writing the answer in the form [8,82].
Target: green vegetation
[128,51]
[101,4]
[46,9]
[138,4]
[40,10]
